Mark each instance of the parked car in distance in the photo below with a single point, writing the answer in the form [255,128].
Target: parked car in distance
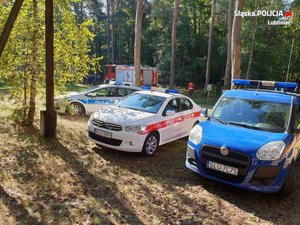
[92,99]
[251,139]
[143,120]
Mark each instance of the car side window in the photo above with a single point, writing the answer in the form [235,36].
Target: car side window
[102,92]
[125,91]
[185,104]
[172,105]
[112,92]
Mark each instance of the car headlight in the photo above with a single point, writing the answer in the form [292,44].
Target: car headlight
[196,134]
[271,151]
[91,118]
[135,129]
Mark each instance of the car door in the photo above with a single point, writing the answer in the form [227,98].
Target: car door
[186,111]
[297,126]
[109,99]
[169,132]
[93,98]
[101,97]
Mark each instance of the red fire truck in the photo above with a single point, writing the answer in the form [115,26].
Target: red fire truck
[125,74]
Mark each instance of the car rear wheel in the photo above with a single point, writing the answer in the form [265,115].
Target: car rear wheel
[78,109]
[150,144]
[289,184]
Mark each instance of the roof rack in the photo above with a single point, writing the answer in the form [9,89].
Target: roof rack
[266,85]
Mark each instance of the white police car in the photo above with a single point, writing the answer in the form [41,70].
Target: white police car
[94,98]
[143,120]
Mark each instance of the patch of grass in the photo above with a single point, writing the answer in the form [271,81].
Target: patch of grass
[201,99]
[75,87]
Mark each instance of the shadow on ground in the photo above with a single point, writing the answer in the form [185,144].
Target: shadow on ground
[167,167]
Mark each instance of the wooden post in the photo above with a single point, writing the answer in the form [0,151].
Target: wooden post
[48,123]
[9,24]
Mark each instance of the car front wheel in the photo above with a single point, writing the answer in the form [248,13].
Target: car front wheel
[150,144]
[289,184]
[78,109]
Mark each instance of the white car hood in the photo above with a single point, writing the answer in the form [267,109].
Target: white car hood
[124,116]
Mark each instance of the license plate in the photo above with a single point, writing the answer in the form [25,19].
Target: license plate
[103,133]
[222,168]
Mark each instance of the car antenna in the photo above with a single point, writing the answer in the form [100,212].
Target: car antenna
[257,87]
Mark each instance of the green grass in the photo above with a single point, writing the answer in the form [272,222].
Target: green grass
[75,87]
[201,99]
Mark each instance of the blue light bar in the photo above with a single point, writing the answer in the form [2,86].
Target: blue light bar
[118,83]
[286,85]
[172,91]
[260,84]
[241,82]
[146,87]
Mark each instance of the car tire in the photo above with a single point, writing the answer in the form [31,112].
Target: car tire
[289,184]
[150,144]
[78,109]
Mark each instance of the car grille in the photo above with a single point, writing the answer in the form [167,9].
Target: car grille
[233,159]
[105,125]
[109,141]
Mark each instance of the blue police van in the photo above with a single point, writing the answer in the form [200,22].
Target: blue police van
[251,139]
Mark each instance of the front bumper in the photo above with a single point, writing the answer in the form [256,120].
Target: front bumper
[263,176]
[121,140]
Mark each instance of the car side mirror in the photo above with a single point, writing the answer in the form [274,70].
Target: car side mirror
[170,112]
[204,112]
[91,95]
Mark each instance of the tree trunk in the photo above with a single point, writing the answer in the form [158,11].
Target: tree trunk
[211,29]
[248,74]
[236,42]
[108,32]
[195,17]
[138,40]
[31,111]
[173,53]
[113,52]
[227,77]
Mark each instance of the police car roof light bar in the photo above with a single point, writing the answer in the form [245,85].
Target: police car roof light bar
[146,87]
[173,91]
[259,84]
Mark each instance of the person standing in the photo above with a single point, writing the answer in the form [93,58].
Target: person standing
[191,87]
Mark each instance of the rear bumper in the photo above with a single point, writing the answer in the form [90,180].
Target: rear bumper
[262,176]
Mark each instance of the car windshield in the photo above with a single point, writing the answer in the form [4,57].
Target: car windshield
[143,102]
[253,114]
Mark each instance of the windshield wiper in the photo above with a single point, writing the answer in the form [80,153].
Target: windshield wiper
[244,125]
[219,120]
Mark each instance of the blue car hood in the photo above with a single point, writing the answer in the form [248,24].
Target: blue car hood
[237,138]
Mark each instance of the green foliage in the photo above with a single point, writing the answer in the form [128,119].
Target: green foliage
[81,34]
[72,52]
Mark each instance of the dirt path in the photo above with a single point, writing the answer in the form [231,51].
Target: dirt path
[70,181]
